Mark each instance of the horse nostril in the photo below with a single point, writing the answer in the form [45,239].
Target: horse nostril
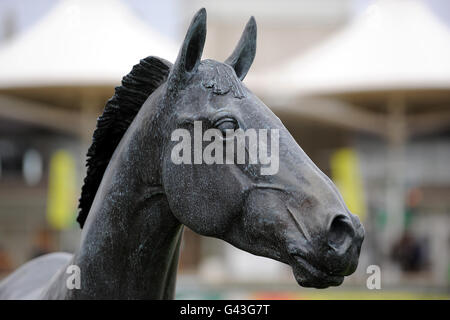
[340,234]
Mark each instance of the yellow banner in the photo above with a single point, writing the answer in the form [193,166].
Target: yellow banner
[61,202]
[346,175]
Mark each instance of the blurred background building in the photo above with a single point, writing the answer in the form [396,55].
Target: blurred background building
[364,87]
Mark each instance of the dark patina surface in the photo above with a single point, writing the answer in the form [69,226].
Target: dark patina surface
[135,200]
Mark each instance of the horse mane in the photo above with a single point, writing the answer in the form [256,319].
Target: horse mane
[117,116]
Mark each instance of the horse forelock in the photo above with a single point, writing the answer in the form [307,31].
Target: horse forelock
[221,79]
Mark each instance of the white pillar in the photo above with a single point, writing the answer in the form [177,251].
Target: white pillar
[395,170]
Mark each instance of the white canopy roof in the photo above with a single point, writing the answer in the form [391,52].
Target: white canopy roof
[80,42]
[394,45]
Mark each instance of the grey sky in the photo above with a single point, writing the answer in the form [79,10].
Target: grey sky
[164,16]
[161,15]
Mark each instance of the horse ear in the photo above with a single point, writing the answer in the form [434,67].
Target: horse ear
[191,51]
[242,57]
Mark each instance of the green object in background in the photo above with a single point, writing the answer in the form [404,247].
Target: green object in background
[408,218]
[381,219]
[61,201]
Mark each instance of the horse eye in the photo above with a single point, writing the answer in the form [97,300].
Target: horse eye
[226,124]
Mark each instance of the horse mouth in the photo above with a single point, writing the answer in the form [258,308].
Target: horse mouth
[308,275]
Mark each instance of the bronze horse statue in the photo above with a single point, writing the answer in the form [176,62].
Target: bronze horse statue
[135,199]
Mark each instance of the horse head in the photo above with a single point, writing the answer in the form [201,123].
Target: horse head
[287,210]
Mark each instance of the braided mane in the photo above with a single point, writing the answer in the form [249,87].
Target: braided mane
[117,116]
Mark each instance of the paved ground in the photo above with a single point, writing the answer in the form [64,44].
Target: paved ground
[196,290]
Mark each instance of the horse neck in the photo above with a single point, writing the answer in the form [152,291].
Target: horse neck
[130,242]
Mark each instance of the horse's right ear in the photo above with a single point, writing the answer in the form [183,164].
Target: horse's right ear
[191,51]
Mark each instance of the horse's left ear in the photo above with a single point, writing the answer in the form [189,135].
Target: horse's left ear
[242,57]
